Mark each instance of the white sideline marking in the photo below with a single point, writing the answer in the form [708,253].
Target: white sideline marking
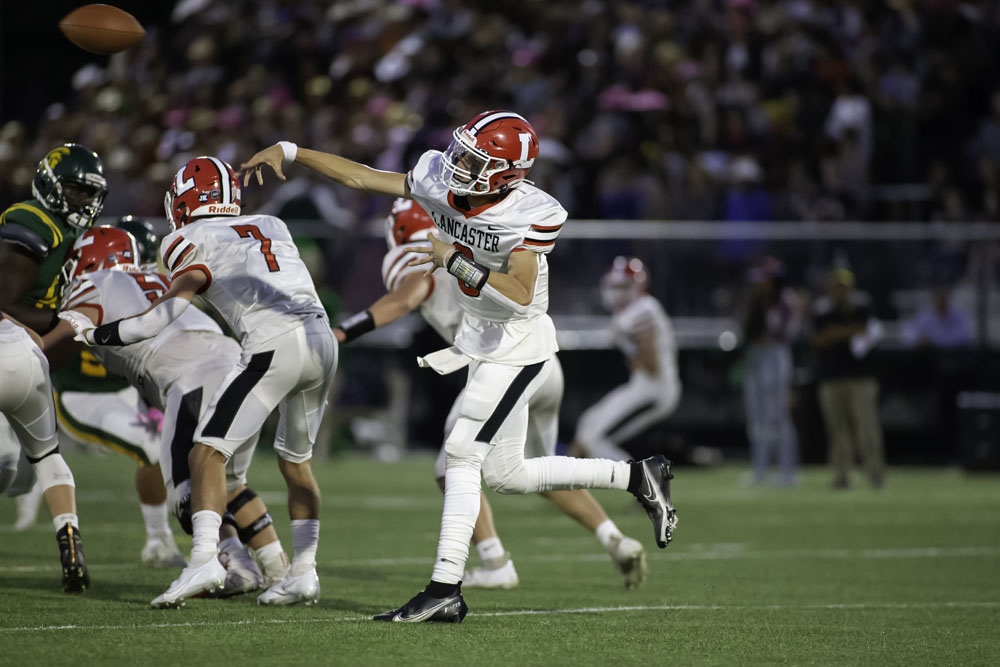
[537,612]
[726,552]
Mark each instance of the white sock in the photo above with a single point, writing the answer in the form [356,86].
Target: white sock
[490,548]
[155,517]
[272,560]
[555,473]
[205,540]
[606,532]
[458,518]
[305,541]
[61,520]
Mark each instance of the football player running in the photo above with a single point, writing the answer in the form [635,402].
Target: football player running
[410,288]
[68,193]
[641,329]
[176,371]
[494,231]
[248,269]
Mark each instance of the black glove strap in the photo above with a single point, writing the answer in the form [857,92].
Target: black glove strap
[357,325]
[107,334]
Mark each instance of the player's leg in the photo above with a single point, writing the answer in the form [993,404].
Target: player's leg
[864,398]
[26,399]
[786,438]
[301,415]
[497,569]
[754,398]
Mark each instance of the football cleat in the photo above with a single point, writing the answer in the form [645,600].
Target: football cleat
[493,573]
[75,578]
[161,551]
[242,573]
[653,494]
[423,607]
[630,559]
[209,576]
[293,589]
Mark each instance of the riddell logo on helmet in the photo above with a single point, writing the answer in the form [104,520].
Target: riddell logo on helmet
[232,209]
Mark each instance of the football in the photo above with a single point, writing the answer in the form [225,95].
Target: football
[101,28]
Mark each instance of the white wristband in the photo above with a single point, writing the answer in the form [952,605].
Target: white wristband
[289,149]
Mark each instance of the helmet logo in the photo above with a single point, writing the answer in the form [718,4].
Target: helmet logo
[523,162]
[56,155]
[224,209]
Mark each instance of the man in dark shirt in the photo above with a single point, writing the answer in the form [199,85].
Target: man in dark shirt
[844,330]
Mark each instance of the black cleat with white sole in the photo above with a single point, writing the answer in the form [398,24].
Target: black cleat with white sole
[75,577]
[424,607]
[652,490]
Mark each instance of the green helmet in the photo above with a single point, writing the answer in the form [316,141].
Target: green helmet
[70,181]
[145,236]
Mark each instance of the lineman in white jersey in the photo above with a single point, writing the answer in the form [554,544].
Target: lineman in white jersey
[494,232]
[248,269]
[176,372]
[410,287]
[641,329]
[26,402]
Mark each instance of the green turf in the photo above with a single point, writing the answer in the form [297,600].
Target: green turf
[908,575]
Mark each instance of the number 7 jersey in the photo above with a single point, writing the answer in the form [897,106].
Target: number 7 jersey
[256,279]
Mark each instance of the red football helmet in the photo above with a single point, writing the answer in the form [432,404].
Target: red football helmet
[204,187]
[407,222]
[101,248]
[490,154]
[624,282]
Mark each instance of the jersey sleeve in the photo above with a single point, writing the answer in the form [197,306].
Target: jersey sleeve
[84,292]
[421,176]
[180,254]
[541,235]
[398,263]
[31,229]
[638,319]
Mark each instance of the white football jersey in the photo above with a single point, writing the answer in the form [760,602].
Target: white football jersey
[256,279]
[439,308]
[527,219]
[642,315]
[118,294]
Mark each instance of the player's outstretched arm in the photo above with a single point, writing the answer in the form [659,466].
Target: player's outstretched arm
[408,295]
[146,324]
[17,271]
[514,290]
[346,172]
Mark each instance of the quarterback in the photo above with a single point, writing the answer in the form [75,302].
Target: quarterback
[493,232]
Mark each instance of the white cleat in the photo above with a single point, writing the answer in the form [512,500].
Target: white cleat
[493,573]
[161,551]
[27,508]
[630,559]
[293,589]
[242,573]
[209,576]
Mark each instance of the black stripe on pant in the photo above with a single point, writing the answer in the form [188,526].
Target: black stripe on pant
[623,422]
[508,401]
[234,395]
[185,423]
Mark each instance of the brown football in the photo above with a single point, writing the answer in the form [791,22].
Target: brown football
[101,28]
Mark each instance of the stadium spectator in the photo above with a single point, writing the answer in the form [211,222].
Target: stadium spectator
[844,331]
[940,325]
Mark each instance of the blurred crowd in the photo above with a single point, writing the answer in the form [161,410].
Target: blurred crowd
[689,109]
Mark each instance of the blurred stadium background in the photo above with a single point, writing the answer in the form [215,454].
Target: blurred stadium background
[698,135]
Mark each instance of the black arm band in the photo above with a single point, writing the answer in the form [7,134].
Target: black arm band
[107,334]
[469,272]
[357,325]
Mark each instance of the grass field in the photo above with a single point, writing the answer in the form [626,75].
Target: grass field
[908,575]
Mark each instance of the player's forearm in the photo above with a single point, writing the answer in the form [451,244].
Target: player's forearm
[511,288]
[143,326]
[353,174]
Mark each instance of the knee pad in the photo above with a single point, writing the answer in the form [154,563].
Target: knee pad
[52,470]
[505,480]
[237,503]
[248,532]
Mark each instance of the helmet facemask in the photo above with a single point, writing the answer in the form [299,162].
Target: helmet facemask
[467,169]
[79,201]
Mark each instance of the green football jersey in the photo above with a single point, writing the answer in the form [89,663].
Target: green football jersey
[86,374]
[45,236]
